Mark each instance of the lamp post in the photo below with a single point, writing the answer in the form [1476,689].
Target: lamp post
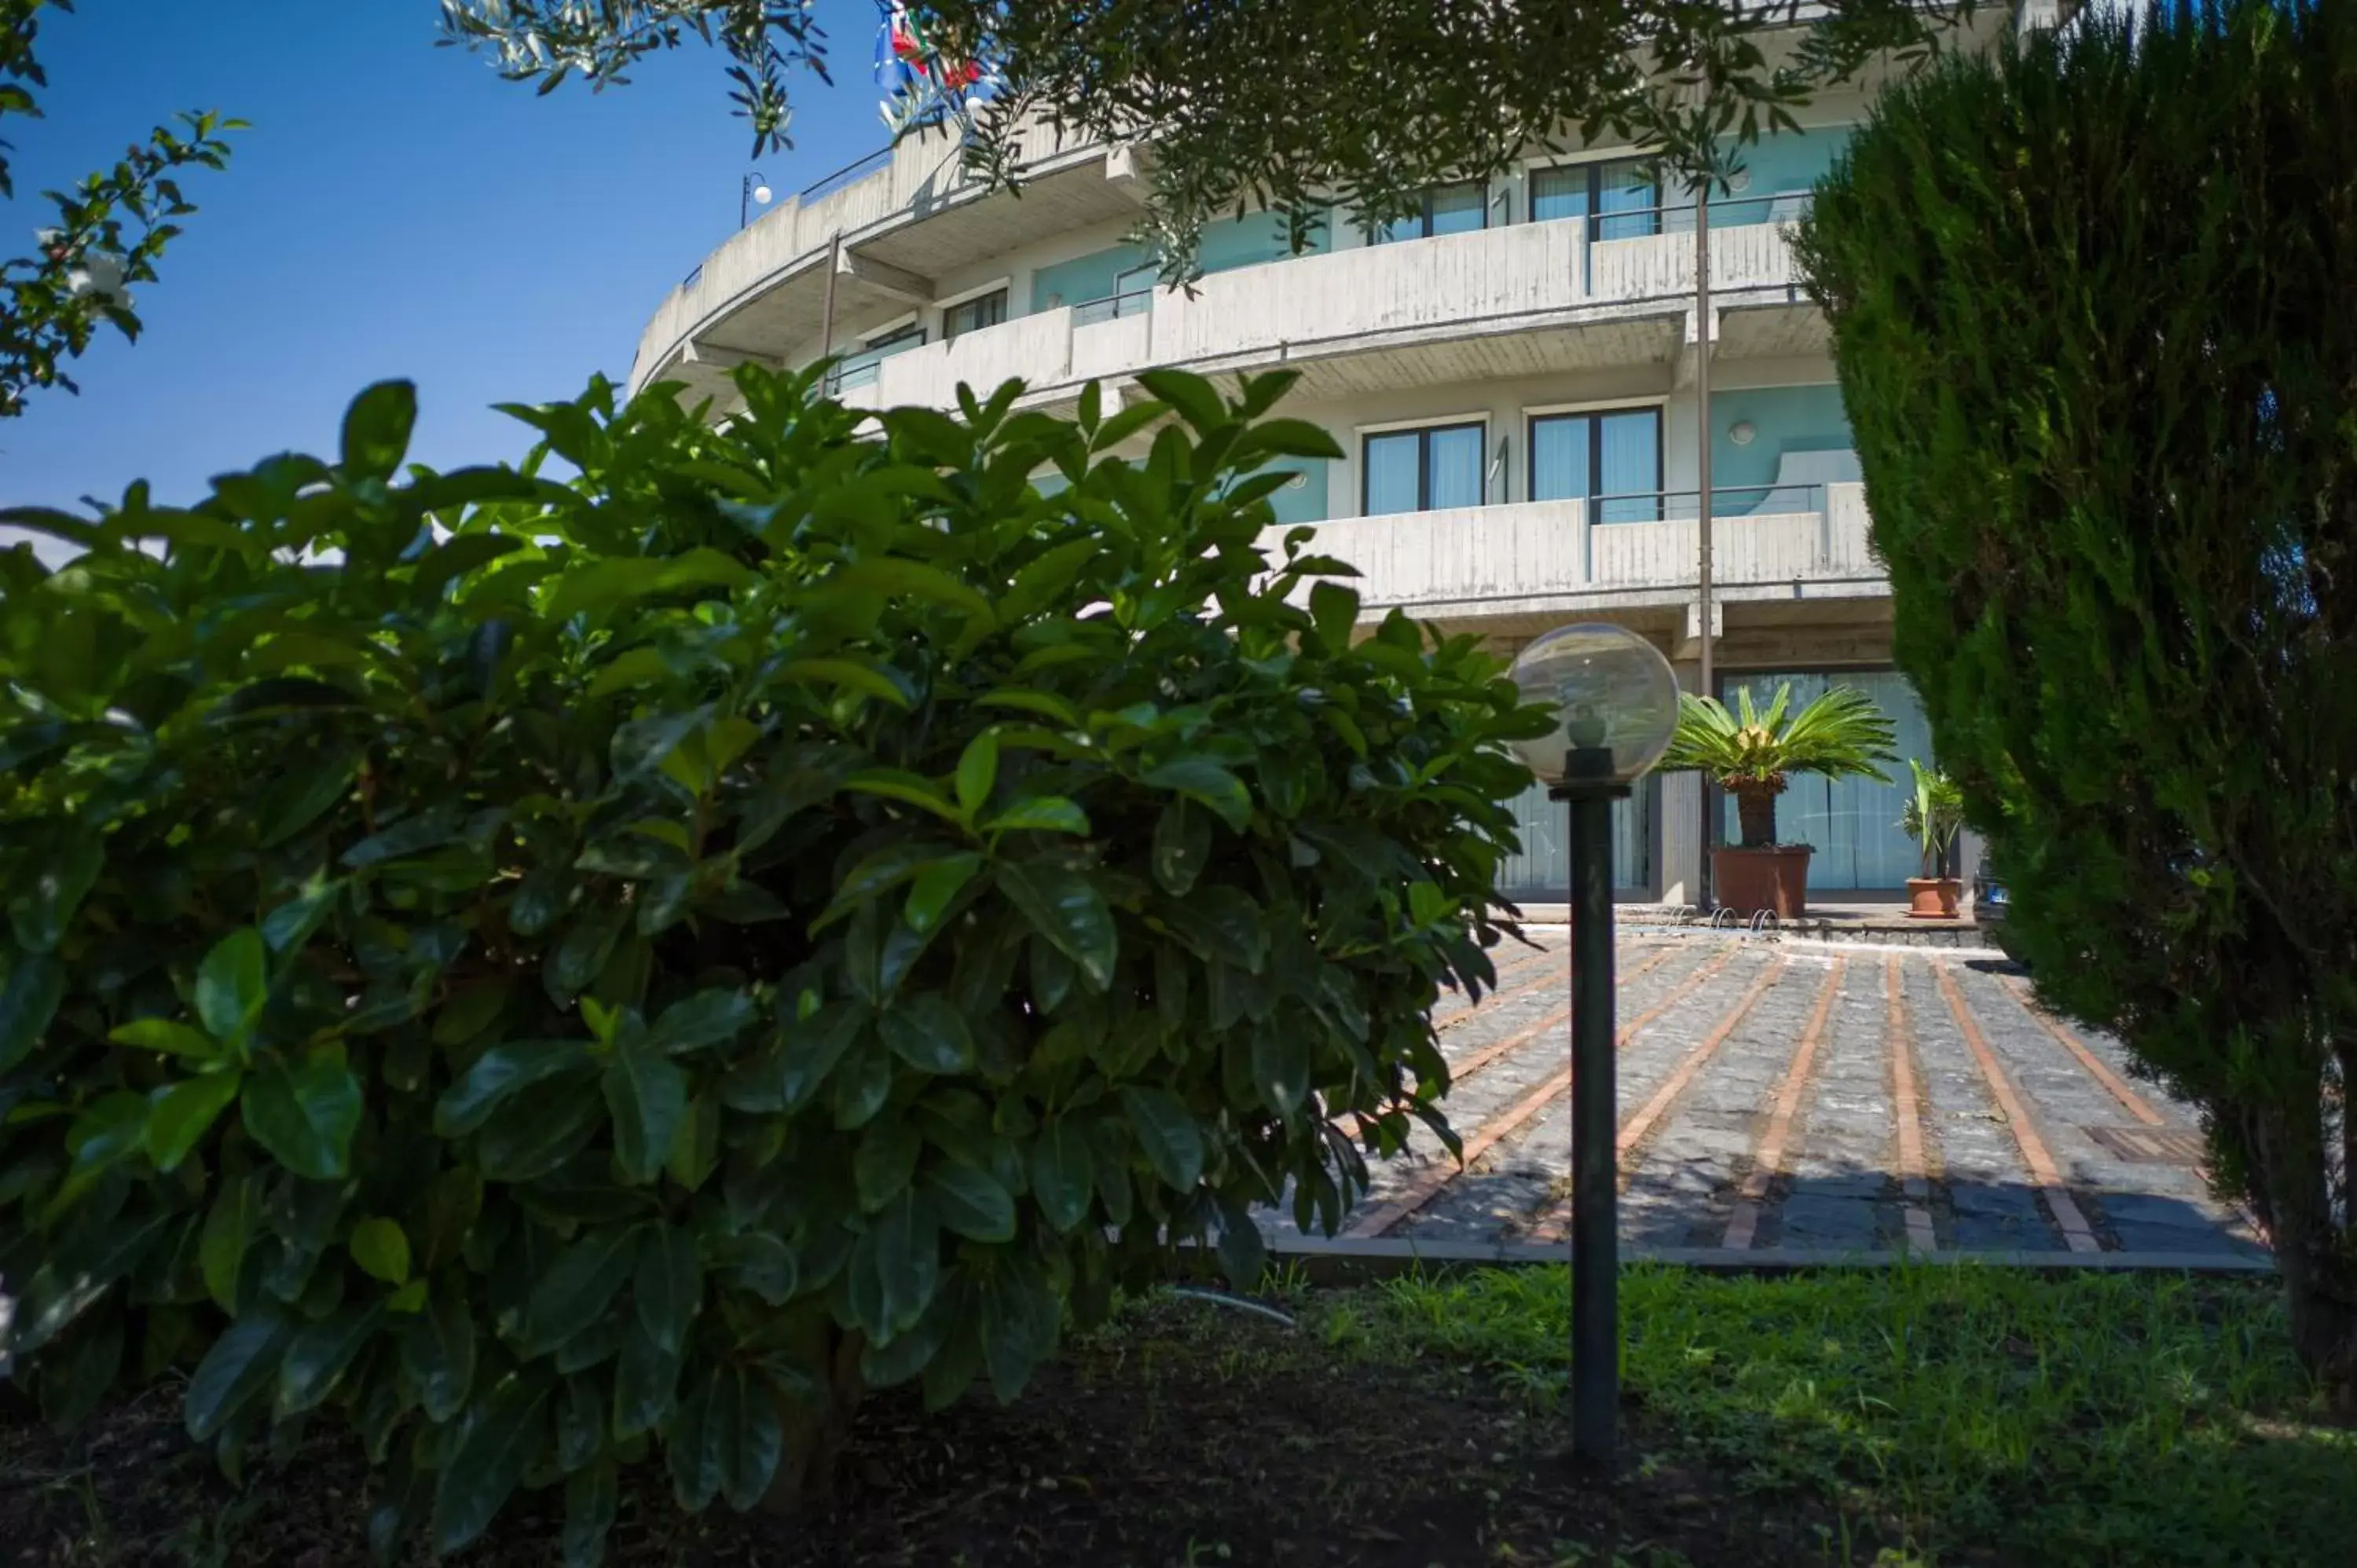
[1616,700]
[753,187]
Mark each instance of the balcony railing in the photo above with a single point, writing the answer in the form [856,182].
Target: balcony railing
[1458,559]
[1367,298]
[1113,307]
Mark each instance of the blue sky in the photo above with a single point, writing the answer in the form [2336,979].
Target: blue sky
[395,210]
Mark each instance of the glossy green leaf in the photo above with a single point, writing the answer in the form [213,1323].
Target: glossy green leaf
[376,430]
[1182,846]
[646,1095]
[232,984]
[58,889]
[229,1230]
[591,1497]
[667,1284]
[489,1462]
[185,1112]
[707,1018]
[1280,1063]
[1206,781]
[380,1248]
[499,1073]
[928,1032]
[304,1114]
[977,773]
[240,1365]
[936,883]
[885,1162]
[751,1438]
[1039,814]
[970,1202]
[1065,907]
[30,1000]
[437,1351]
[321,1352]
[1063,1174]
[164,1035]
[1172,1141]
[580,1286]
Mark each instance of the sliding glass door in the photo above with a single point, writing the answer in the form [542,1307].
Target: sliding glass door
[1852,822]
[1611,459]
[1541,873]
[1421,470]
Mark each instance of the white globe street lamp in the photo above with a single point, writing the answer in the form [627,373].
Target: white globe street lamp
[1616,702]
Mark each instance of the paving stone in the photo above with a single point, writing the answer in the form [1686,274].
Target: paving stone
[1836,1187]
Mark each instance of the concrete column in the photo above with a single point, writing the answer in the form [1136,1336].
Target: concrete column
[1681,820]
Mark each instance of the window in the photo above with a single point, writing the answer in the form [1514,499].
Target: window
[859,370]
[973,315]
[1622,195]
[1610,459]
[1447,209]
[1422,470]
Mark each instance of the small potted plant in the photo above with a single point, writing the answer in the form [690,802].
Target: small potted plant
[1932,818]
[1751,754]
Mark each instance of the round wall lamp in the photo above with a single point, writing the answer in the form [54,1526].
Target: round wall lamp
[1741,432]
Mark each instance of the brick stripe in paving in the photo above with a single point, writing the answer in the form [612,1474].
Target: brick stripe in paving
[2061,1206]
[1983,1198]
[1907,1118]
[1490,1123]
[1664,1203]
[1786,1100]
[1767,1160]
[2147,1206]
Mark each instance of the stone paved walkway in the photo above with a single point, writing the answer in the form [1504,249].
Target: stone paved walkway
[1794,1097]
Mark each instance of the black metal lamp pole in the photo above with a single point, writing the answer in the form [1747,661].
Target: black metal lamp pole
[1589,787]
[744,196]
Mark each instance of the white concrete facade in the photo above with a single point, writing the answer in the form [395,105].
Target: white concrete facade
[1527,320]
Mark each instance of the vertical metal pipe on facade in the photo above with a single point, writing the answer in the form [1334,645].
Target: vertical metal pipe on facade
[1702,468]
[1702,414]
[826,313]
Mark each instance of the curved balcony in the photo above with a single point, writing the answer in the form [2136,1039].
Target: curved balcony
[1456,307]
[1491,561]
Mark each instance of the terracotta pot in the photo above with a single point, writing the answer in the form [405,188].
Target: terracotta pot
[1749,880]
[1933,897]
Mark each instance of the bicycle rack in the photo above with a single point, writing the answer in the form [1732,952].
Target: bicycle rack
[1764,922]
[1723,919]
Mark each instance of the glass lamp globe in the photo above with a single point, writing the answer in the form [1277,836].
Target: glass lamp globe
[761,194]
[1616,702]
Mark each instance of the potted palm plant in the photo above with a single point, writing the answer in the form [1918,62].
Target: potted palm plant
[1933,816]
[1751,754]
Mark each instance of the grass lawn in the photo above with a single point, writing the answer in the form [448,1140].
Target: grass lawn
[1923,1416]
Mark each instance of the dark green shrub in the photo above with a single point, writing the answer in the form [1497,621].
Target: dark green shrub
[561,971]
[2094,301]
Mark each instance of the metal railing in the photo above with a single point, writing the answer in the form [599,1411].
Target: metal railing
[1113,307]
[1727,502]
[851,173]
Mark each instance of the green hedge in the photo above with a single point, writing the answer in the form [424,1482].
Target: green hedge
[2094,301]
[558,972]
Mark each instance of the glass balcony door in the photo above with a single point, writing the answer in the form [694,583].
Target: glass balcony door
[1421,470]
[1610,459]
[1852,822]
